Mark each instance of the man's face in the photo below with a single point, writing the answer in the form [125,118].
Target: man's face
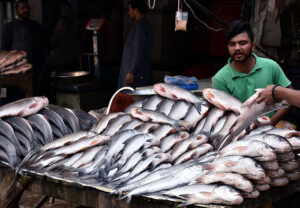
[23,11]
[240,47]
[131,12]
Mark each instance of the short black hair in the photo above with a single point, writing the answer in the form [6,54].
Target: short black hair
[237,27]
[20,1]
[139,4]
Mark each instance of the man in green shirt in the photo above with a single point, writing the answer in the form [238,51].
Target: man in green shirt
[245,71]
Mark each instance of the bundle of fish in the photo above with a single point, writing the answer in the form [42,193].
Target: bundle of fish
[30,123]
[178,145]
[13,62]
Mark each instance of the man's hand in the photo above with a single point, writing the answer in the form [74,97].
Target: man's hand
[294,134]
[266,96]
[129,79]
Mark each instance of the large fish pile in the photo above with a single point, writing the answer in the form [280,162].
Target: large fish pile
[30,123]
[13,62]
[178,145]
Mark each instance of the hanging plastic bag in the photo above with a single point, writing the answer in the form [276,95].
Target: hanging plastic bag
[181,18]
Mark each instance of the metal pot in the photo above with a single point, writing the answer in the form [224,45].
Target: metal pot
[72,77]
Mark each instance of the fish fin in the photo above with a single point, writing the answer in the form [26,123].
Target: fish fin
[183,124]
[20,114]
[25,160]
[33,105]
[101,175]
[198,106]
[226,141]
[128,198]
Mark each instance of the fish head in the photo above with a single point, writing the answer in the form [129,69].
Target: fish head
[42,100]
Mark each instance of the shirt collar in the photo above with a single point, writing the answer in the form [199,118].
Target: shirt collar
[236,74]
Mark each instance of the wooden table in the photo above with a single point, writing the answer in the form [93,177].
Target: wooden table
[97,196]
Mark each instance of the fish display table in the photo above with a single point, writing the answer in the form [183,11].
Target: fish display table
[23,81]
[96,196]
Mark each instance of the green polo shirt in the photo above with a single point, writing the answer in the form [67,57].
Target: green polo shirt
[242,86]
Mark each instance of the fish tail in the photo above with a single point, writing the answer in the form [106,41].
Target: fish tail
[25,161]
[101,175]
[186,203]
[183,124]
[198,106]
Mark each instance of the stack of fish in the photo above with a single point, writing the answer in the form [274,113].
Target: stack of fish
[176,144]
[13,62]
[30,123]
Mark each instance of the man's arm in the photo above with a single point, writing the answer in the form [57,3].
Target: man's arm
[280,114]
[280,93]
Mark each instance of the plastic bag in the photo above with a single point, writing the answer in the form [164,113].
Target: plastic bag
[181,20]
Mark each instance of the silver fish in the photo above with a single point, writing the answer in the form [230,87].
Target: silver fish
[163,130]
[102,124]
[262,187]
[132,124]
[283,157]
[168,142]
[295,142]
[259,130]
[179,110]
[222,100]
[212,117]
[270,165]
[219,125]
[278,143]
[152,102]
[148,127]
[280,131]
[289,165]
[87,156]
[276,173]
[115,124]
[283,181]
[156,117]
[293,176]
[194,153]
[249,112]
[10,151]
[232,179]
[177,93]
[237,164]
[165,106]
[199,126]
[252,195]
[207,194]
[193,116]
[23,107]
[251,148]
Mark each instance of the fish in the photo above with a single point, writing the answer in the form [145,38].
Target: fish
[115,124]
[69,118]
[86,157]
[102,124]
[12,58]
[193,116]
[23,107]
[153,116]
[147,127]
[295,142]
[218,138]
[179,178]
[10,67]
[207,194]
[9,151]
[5,55]
[280,131]
[222,100]
[160,159]
[152,102]
[24,143]
[117,143]
[270,165]
[290,165]
[179,110]
[252,195]
[67,140]
[276,173]
[55,120]
[77,146]
[18,69]
[165,106]
[250,111]
[237,164]
[283,181]
[219,125]
[232,179]
[169,141]
[251,148]
[138,104]
[278,143]
[284,157]
[212,117]
[199,126]
[259,130]
[163,130]
[86,117]
[262,187]
[193,153]
[132,124]
[177,93]
[132,145]
[189,143]
[293,176]
[40,124]
[7,131]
